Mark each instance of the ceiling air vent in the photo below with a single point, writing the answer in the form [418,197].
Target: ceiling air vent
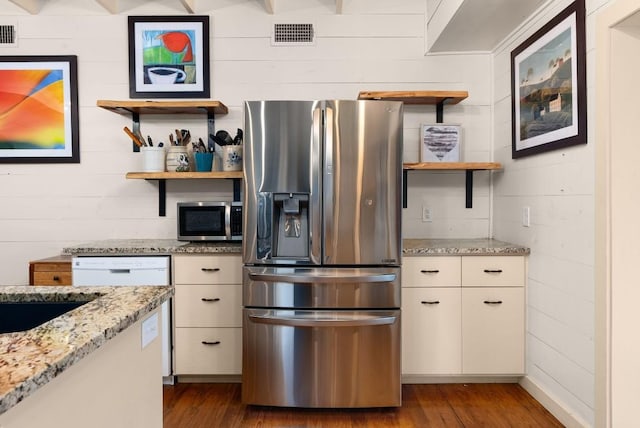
[292,35]
[8,36]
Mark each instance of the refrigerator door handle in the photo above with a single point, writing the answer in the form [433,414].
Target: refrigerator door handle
[315,228]
[328,320]
[311,278]
[329,208]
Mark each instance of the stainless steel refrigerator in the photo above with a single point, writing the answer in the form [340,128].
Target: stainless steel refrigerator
[322,253]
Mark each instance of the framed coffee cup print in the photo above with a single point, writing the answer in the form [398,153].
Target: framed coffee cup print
[169,57]
[548,86]
[39,109]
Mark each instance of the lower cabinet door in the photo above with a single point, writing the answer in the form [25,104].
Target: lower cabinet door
[493,336]
[208,351]
[431,327]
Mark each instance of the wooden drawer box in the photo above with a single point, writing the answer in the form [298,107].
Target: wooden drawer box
[208,305]
[207,351]
[431,271]
[207,269]
[50,271]
[493,271]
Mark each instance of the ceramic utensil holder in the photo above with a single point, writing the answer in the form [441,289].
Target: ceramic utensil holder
[178,159]
[203,161]
[232,157]
[153,159]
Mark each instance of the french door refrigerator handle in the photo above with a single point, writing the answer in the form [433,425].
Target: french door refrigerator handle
[314,322]
[310,279]
[328,208]
[315,215]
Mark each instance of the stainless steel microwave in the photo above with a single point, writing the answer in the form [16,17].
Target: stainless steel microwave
[210,221]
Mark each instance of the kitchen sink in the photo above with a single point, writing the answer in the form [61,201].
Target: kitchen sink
[20,316]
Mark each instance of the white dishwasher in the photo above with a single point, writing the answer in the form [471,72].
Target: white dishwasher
[132,271]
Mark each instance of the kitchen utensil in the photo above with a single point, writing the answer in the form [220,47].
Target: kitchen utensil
[134,137]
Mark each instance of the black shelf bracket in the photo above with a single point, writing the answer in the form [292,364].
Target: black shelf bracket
[236,189]
[404,188]
[162,198]
[211,128]
[135,117]
[468,188]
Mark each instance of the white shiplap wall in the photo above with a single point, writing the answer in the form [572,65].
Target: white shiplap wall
[373,45]
[558,187]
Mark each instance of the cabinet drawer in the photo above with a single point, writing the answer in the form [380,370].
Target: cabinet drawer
[493,330]
[208,305]
[207,269]
[51,278]
[431,271]
[220,354]
[489,271]
[431,326]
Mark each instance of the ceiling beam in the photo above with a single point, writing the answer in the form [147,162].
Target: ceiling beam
[270,6]
[110,5]
[190,5]
[31,6]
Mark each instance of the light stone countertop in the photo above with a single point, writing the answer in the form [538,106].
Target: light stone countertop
[461,247]
[31,358]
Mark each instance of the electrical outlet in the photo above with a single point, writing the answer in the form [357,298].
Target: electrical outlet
[426,215]
[526,216]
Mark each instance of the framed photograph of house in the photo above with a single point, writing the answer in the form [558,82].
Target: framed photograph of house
[440,143]
[39,109]
[548,86]
[169,57]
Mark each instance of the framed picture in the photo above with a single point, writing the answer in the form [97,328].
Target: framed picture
[39,109]
[548,86]
[440,143]
[169,57]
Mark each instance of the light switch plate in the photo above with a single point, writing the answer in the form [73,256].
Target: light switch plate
[526,216]
[149,330]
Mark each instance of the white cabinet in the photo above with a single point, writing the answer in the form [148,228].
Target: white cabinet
[463,315]
[207,314]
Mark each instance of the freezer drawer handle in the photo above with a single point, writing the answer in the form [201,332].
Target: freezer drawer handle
[120,270]
[430,302]
[493,302]
[430,271]
[493,271]
[210,269]
[204,342]
[206,299]
[310,279]
[315,322]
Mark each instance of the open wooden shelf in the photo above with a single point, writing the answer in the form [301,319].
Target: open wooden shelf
[459,166]
[183,175]
[416,97]
[164,107]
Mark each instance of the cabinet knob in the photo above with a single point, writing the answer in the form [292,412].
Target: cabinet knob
[56,278]
[493,302]
[493,271]
[204,342]
[210,269]
[430,302]
[429,271]
[206,299]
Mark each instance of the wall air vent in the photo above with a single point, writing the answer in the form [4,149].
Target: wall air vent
[8,36]
[293,35]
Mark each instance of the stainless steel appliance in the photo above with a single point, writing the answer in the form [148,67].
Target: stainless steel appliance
[322,253]
[129,271]
[210,221]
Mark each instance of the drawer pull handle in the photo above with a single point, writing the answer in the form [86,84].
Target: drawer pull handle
[56,278]
[204,342]
[206,299]
[430,302]
[493,302]
[493,271]
[429,271]
[210,269]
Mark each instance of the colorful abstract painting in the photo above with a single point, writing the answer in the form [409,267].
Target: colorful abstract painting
[169,56]
[38,109]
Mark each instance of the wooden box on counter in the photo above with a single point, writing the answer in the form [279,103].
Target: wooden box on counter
[54,270]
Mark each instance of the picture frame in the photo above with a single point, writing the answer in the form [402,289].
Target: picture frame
[169,57]
[440,142]
[39,109]
[548,86]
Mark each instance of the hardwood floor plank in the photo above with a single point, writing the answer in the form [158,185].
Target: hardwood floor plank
[430,405]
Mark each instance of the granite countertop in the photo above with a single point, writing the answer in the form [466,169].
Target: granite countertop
[31,358]
[151,247]
[463,247]
[411,247]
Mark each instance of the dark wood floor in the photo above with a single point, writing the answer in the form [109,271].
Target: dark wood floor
[451,405]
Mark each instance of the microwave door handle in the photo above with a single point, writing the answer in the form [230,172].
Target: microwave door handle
[342,321]
[227,221]
[311,279]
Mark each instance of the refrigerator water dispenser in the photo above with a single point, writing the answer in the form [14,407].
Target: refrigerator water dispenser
[291,221]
